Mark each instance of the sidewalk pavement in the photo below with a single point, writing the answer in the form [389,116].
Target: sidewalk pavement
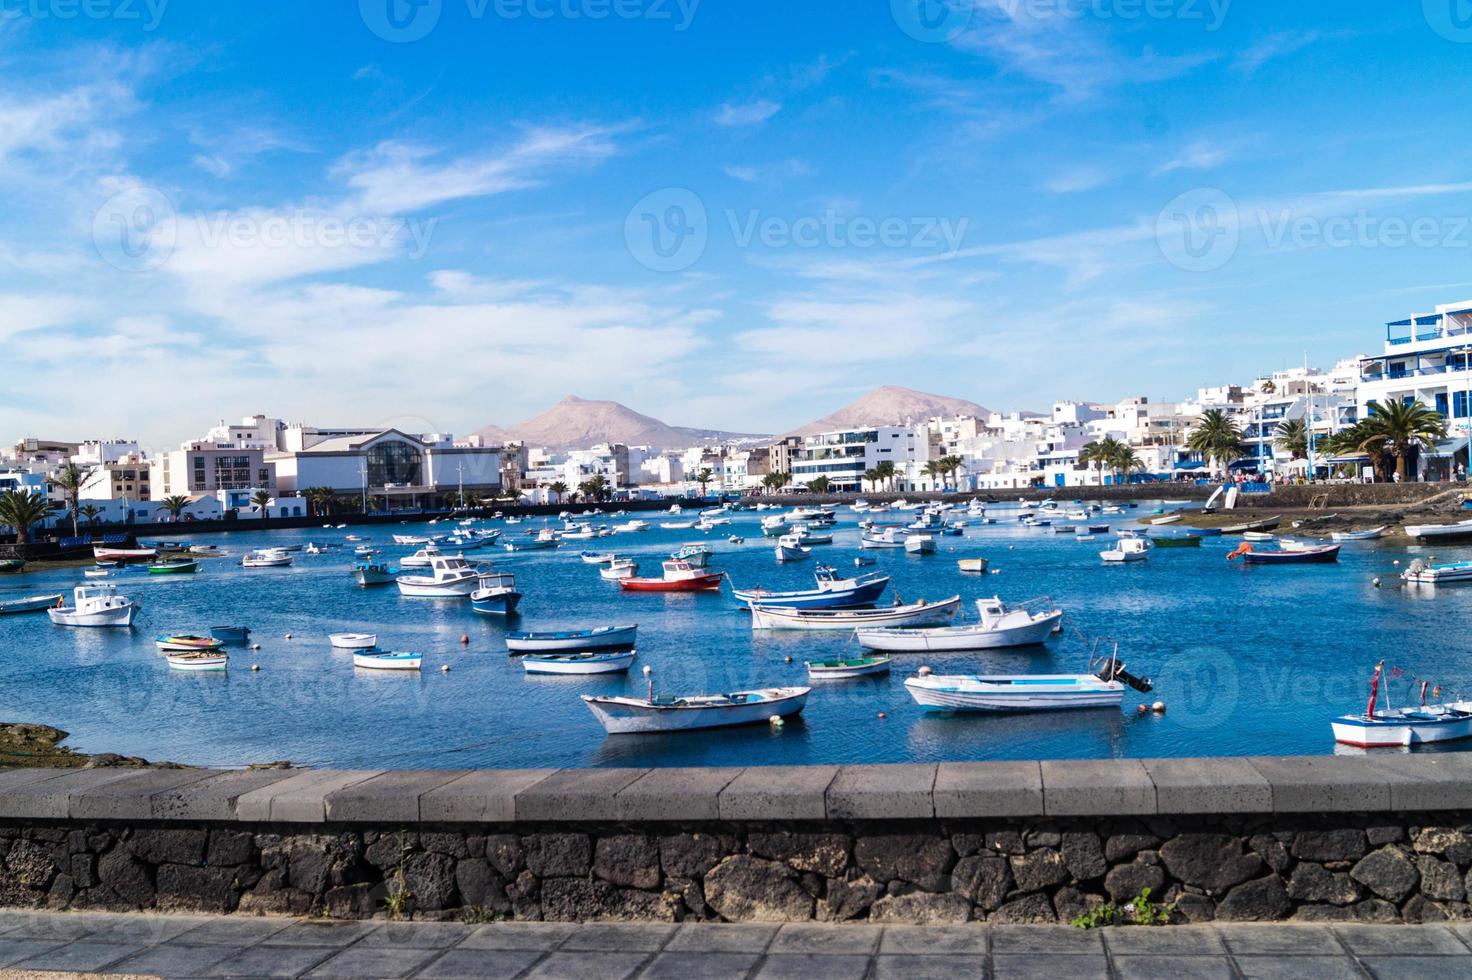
[198,946]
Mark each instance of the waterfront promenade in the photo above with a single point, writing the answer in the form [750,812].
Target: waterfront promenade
[187,946]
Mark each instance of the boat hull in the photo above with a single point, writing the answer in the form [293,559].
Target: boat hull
[436,590]
[369,661]
[353,641]
[198,662]
[624,718]
[958,637]
[1399,730]
[701,583]
[1310,557]
[1036,693]
[572,641]
[117,617]
[933,614]
[604,664]
[858,596]
[840,670]
[503,604]
[32,604]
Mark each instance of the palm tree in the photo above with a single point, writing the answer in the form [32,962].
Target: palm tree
[1108,451]
[886,472]
[557,489]
[69,480]
[261,499]
[933,470]
[91,513]
[950,465]
[1292,437]
[1217,437]
[597,487]
[1093,455]
[23,511]
[1362,437]
[703,478]
[175,505]
[871,477]
[820,485]
[1125,461]
[320,500]
[1403,429]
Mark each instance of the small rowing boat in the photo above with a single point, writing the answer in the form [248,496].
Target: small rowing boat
[1266,524]
[1026,692]
[1002,625]
[1340,537]
[353,641]
[174,566]
[34,603]
[578,641]
[579,663]
[917,614]
[973,565]
[832,592]
[838,670]
[387,661]
[1301,556]
[1440,532]
[668,713]
[230,634]
[1177,541]
[187,643]
[1403,727]
[198,661]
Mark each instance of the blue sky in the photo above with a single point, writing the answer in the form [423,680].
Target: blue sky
[448,213]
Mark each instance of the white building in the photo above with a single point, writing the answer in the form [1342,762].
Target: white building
[394,469]
[844,456]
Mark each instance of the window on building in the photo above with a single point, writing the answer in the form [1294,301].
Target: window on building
[394,463]
[232,472]
[1459,405]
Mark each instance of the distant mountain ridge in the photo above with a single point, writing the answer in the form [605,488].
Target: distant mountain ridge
[891,405]
[578,423]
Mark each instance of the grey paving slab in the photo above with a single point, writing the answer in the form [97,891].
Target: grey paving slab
[321,932]
[721,937]
[778,793]
[130,798]
[626,936]
[15,950]
[214,798]
[1291,940]
[11,778]
[675,794]
[270,961]
[174,960]
[55,926]
[50,799]
[300,799]
[588,966]
[1194,940]
[705,966]
[391,797]
[1414,967]
[418,935]
[1046,939]
[1429,782]
[487,796]
[1326,784]
[520,935]
[1173,968]
[804,966]
[145,929]
[812,937]
[1078,788]
[575,794]
[989,789]
[891,792]
[1024,966]
[1279,967]
[1208,786]
[238,931]
[928,968]
[81,957]
[1400,941]
[480,964]
[379,961]
[973,940]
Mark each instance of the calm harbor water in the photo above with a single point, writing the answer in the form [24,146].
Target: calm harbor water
[1249,660]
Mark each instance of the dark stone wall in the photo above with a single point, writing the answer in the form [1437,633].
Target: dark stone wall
[1367,869]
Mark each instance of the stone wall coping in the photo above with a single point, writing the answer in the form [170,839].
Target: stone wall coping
[1392,783]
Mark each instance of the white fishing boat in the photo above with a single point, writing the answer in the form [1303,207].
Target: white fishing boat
[578,663]
[1002,625]
[1167,519]
[920,544]
[95,573]
[387,661]
[1258,536]
[698,555]
[1421,572]
[1340,537]
[846,668]
[620,568]
[422,558]
[677,525]
[973,565]
[449,578]
[104,553]
[631,527]
[1385,727]
[198,661]
[916,614]
[832,592]
[34,603]
[668,713]
[1127,550]
[789,550]
[888,539]
[1026,692]
[412,539]
[594,558]
[572,641]
[353,641]
[267,558]
[1440,532]
[95,605]
[496,595]
[374,573]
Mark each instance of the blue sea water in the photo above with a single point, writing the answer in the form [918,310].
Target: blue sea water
[1248,660]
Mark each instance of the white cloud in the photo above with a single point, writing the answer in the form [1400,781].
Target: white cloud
[20,312]
[1199,155]
[1077,179]
[1273,46]
[213,165]
[748,114]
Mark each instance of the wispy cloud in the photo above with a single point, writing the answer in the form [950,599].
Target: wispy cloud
[1274,46]
[1077,180]
[1197,155]
[782,170]
[747,114]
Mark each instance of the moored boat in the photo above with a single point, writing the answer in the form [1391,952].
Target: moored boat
[575,641]
[832,593]
[174,566]
[1002,625]
[843,669]
[353,641]
[579,663]
[974,565]
[1421,572]
[1440,532]
[230,634]
[1381,727]
[1370,535]
[698,555]
[123,554]
[1266,524]
[95,605]
[375,573]
[1177,541]
[387,661]
[267,558]
[187,643]
[199,661]
[920,544]
[619,568]
[449,578]
[1301,556]
[1025,692]
[678,577]
[1127,550]
[916,614]
[34,603]
[496,595]
[668,713]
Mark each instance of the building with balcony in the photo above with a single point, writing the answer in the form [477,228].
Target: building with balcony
[843,457]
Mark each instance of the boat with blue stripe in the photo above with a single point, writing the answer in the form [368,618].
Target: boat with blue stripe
[832,592]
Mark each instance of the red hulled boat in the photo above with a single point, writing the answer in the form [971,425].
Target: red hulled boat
[679,576]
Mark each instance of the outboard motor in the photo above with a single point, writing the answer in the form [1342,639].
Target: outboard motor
[1114,671]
